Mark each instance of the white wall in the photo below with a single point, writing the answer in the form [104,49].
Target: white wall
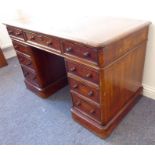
[138,9]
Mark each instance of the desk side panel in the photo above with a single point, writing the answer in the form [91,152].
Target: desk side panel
[122,79]
[117,48]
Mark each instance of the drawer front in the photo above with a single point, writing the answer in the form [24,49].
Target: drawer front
[83,71]
[25,60]
[83,89]
[90,109]
[80,51]
[30,76]
[15,32]
[49,42]
[22,48]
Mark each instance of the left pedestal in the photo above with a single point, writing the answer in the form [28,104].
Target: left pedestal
[44,72]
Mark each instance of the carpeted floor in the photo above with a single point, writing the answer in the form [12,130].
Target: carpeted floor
[28,119]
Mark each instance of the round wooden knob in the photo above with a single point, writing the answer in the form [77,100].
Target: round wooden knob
[34,78]
[88,75]
[86,54]
[72,69]
[18,33]
[21,59]
[26,74]
[49,43]
[32,37]
[92,111]
[16,46]
[90,93]
[69,49]
[10,31]
[78,103]
[40,37]
[29,63]
[75,86]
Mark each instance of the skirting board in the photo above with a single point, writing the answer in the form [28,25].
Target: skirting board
[9,52]
[149,91]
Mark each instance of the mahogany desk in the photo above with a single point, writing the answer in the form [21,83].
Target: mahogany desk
[101,58]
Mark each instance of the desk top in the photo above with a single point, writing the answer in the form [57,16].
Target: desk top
[94,31]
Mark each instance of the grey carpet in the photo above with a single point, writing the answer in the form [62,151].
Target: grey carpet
[28,119]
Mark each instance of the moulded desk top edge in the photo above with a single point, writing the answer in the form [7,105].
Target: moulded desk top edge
[101,32]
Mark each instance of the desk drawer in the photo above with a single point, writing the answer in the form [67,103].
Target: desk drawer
[89,109]
[30,76]
[80,51]
[47,41]
[25,60]
[83,71]
[22,48]
[83,89]
[15,32]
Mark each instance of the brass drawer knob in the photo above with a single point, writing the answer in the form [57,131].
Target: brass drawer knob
[69,49]
[86,54]
[78,103]
[92,111]
[72,69]
[75,86]
[90,93]
[88,75]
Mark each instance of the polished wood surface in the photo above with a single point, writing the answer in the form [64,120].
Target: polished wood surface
[2,59]
[104,66]
[44,73]
[92,31]
[83,71]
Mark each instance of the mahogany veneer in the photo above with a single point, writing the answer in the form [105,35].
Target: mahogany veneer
[104,66]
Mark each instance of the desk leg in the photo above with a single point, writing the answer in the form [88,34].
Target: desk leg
[2,59]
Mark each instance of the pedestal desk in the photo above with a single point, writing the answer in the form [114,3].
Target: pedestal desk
[102,59]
